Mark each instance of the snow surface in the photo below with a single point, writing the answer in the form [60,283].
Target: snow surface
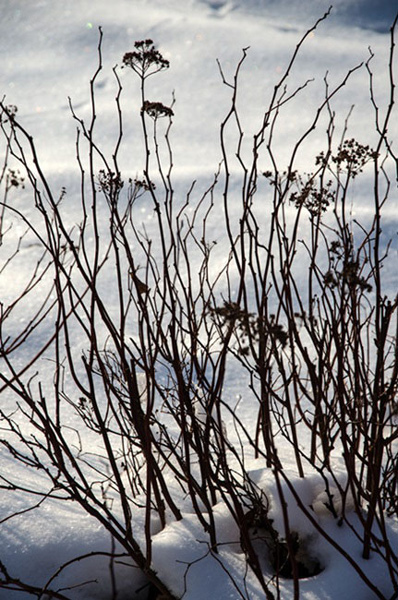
[48,52]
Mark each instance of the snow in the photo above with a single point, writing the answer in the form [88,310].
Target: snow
[48,51]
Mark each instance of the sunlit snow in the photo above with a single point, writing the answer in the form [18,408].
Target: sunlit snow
[48,53]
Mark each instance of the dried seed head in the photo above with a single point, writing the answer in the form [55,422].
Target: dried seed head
[145,60]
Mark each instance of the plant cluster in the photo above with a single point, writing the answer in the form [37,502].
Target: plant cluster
[299,307]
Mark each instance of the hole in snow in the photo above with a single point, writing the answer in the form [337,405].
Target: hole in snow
[305,562]
[286,557]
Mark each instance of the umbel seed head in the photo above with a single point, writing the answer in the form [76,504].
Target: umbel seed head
[145,59]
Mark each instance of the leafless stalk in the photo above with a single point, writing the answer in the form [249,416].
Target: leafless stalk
[299,306]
